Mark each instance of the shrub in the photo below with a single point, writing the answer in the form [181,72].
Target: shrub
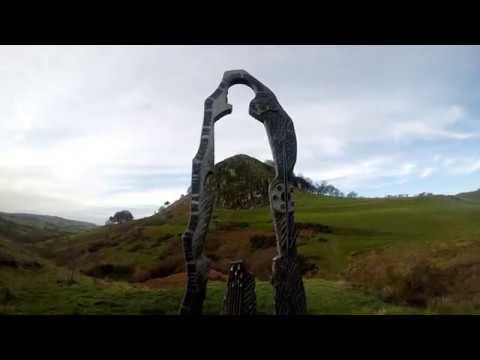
[136,247]
[421,284]
[165,237]
[262,241]
[6,295]
[306,265]
[167,266]
[97,245]
[8,260]
[141,275]
[110,270]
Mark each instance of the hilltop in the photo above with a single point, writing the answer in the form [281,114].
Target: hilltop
[242,182]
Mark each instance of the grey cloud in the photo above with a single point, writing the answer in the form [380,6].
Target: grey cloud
[130,117]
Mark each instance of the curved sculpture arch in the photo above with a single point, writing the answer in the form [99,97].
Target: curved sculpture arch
[289,294]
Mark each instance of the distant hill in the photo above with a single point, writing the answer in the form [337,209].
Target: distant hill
[470,195]
[32,228]
[243,182]
[47,221]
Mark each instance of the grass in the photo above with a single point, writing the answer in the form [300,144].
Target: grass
[363,224]
[358,226]
[40,293]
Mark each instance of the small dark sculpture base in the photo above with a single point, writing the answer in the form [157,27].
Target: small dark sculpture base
[195,293]
[288,289]
[240,296]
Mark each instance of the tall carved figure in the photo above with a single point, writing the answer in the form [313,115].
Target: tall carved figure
[289,293]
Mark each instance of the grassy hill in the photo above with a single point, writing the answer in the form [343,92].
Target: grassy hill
[48,222]
[242,182]
[473,196]
[45,292]
[361,255]
[331,230]
[31,284]
[397,249]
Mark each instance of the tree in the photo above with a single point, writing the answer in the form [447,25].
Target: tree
[321,187]
[325,188]
[166,203]
[120,217]
[304,183]
[352,194]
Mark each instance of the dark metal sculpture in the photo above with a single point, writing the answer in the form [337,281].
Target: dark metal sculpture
[240,296]
[289,293]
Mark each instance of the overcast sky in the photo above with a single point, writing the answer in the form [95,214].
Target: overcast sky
[88,130]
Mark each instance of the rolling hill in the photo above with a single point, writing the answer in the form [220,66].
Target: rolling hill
[47,222]
[358,255]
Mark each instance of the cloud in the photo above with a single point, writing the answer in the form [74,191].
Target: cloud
[101,127]
[434,124]
[461,166]
[365,172]
[426,172]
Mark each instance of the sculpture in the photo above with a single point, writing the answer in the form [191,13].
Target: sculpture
[240,296]
[289,293]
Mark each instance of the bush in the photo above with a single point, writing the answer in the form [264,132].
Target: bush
[141,275]
[110,270]
[8,260]
[306,265]
[423,282]
[32,264]
[227,226]
[167,266]
[318,228]
[262,241]
[165,237]
[136,247]
[97,245]
[6,295]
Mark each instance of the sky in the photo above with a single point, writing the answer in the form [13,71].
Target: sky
[89,130]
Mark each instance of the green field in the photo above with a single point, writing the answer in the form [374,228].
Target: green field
[401,255]
[46,292]
[358,225]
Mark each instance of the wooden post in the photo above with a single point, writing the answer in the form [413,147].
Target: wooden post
[240,298]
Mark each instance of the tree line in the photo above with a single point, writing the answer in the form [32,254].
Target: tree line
[324,188]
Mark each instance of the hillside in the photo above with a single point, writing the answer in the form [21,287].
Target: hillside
[380,245]
[30,284]
[358,255]
[26,233]
[242,182]
[47,222]
[469,196]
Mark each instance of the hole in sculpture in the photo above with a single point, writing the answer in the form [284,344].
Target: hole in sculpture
[239,133]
